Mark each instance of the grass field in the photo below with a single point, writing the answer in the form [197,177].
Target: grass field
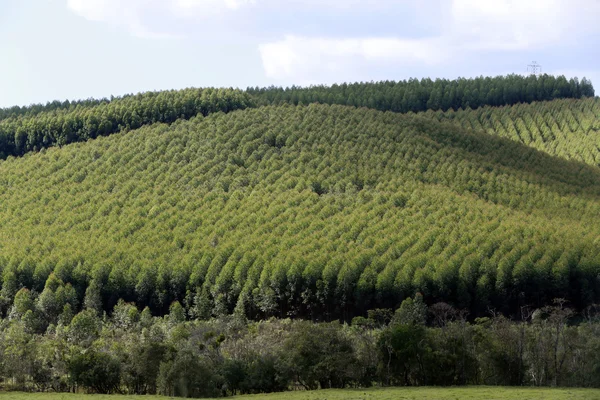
[487,393]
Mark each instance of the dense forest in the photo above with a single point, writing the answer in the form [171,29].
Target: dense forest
[88,120]
[320,212]
[426,94]
[24,129]
[209,242]
[136,353]
[34,109]
[568,128]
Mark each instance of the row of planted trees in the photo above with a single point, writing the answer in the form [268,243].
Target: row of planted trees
[388,95]
[87,120]
[24,129]
[566,128]
[316,212]
[427,94]
[34,109]
[133,352]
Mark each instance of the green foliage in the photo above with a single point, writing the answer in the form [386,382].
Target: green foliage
[318,356]
[96,371]
[412,312]
[84,328]
[141,367]
[206,213]
[426,94]
[24,302]
[42,127]
[227,356]
[403,348]
[125,315]
[35,109]
[176,313]
[564,128]
[318,212]
[188,376]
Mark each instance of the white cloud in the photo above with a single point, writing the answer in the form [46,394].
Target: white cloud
[205,8]
[99,10]
[466,29]
[113,11]
[301,57]
[509,24]
[521,24]
[470,26]
[130,13]
[231,4]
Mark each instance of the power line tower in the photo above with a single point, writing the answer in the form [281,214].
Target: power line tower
[534,68]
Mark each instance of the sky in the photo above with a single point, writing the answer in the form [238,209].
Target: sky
[77,49]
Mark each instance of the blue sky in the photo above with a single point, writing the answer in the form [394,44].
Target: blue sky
[72,49]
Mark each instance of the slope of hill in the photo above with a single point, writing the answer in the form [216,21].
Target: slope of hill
[48,126]
[567,128]
[426,94]
[24,129]
[34,109]
[318,211]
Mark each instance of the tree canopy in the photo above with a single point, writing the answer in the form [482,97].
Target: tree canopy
[427,94]
[312,211]
[81,121]
[24,129]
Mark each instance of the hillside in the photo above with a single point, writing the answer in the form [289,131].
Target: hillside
[415,95]
[566,128]
[32,128]
[312,211]
[58,124]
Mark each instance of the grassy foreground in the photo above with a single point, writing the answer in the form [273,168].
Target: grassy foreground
[423,393]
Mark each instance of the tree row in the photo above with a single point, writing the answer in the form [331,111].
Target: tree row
[566,128]
[130,351]
[32,128]
[318,212]
[426,94]
[88,120]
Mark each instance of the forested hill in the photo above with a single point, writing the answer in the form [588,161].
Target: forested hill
[568,128]
[24,129]
[312,211]
[128,99]
[82,121]
[31,110]
[426,94]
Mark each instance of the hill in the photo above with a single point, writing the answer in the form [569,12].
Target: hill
[312,211]
[566,128]
[58,124]
[426,94]
[24,129]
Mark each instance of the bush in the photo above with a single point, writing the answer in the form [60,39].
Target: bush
[189,375]
[318,356]
[96,371]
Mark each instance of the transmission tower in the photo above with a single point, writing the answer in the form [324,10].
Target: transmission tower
[534,68]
